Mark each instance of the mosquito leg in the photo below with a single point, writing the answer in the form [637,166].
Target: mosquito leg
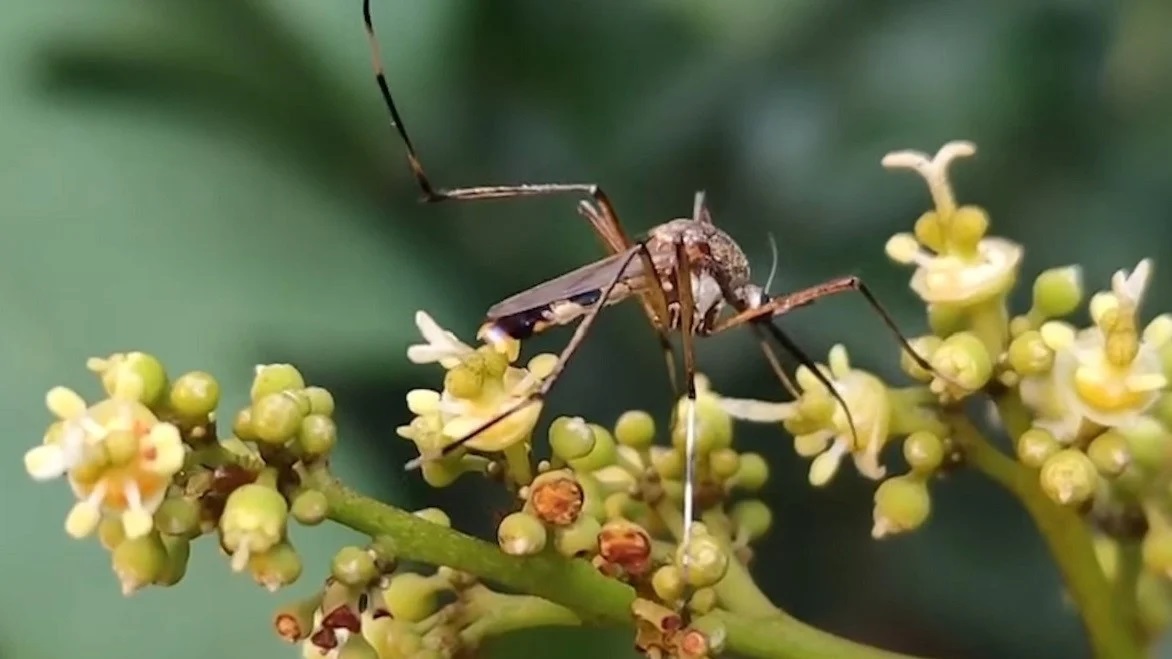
[687,310]
[783,304]
[774,362]
[607,226]
[653,301]
[580,333]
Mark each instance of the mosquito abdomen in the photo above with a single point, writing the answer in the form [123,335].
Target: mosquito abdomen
[524,324]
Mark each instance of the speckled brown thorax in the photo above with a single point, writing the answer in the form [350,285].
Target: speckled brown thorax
[718,264]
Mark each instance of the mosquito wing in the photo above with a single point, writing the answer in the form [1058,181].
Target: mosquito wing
[566,298]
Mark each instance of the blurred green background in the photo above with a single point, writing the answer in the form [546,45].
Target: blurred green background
[215,181]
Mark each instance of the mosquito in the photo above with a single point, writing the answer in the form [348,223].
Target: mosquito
[684,273]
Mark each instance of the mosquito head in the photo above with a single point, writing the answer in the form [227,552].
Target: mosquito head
[751,295]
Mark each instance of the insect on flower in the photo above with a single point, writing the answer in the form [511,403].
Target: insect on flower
[684,272]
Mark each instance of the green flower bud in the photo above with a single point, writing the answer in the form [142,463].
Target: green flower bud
[668,583]
[635,428]
[1148,443]
[702,601]
[441,473]
[178,554]
[1069,477]
[275,378]
[410,596]
[135,375]
[1029,355]
[1035,446]
[724,463]
[276,418]
[966,227]
[309,507]
[924,451]
[902,504]
[752,472]
[1109,453]
[593,496]
[435,516]
[703,561]
[929,232]
[321,401]
[464,381]
[494,362]
[253,521]
[1157,550]
[521,534]
[570,438]
[317,435]
[668,463]
[925,346]
[963,358]
[194,395]
[242,426]
[602,454]
[178,516]
[581,537]
[277,567]
[946,319]
[713,426]
[354,566]
[1058,291]
[139,562]
[752,518]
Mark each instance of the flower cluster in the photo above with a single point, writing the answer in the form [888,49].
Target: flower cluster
[1087,411]
[150,475]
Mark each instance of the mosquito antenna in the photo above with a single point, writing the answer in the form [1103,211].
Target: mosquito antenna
[773,265]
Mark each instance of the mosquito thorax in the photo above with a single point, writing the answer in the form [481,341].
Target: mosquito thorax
[714,256]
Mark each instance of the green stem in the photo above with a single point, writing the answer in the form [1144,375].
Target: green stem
[518,464]
[761,637]
[989,321]
[1065,533]
[1129,564]
[571,583]
[572,587]
[493,614]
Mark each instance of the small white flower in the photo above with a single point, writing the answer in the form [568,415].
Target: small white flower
[442,346]
[834,438]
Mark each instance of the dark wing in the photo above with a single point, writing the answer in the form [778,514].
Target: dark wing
[592,277]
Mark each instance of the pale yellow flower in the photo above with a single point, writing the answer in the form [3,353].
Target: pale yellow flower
[956,263]
[444,417]
[827,436]
[1108,374]
[118,457]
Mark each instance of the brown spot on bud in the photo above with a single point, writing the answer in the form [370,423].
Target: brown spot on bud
[342,617]
[627,545]
[288,627]
[325,639]
[692,643]
[557,501]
